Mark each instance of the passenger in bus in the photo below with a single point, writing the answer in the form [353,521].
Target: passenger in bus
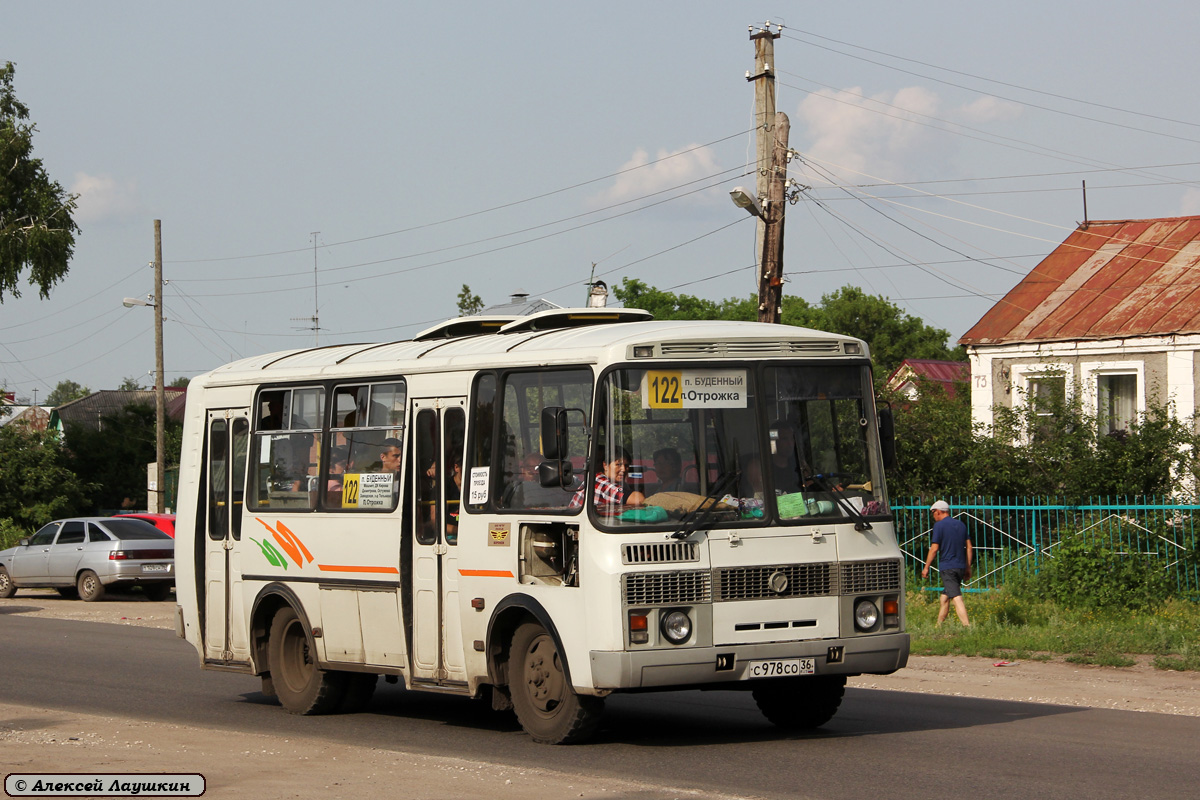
[750,483]
[453,498]
[609,484]
[668,469]
[527,491]
[337,468]
[789,471]
[389,455]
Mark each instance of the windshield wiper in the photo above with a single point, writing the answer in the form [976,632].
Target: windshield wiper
[839,495]
[706,507]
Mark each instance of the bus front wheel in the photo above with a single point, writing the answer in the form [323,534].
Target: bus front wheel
[547,707]
[799,704]
[301,686]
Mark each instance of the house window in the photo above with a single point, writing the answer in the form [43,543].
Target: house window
[1116,402]
[1047,393]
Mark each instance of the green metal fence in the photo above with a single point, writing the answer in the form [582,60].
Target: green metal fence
[1018,534]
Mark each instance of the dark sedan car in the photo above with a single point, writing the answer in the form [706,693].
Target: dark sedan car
[85,555]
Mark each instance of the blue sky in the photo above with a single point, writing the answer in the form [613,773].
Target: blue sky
[511,147]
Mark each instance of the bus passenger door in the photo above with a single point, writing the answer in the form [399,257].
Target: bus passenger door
[228,445]
[437,451]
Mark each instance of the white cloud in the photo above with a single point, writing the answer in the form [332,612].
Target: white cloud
[869,135]
[990,109]
[640,177]
[1190,205]
[103,198]
[887,135]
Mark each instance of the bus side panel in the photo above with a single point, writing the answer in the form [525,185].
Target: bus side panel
[343,641]
[383,638]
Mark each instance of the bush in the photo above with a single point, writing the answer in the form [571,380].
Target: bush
[10,533]
[1088,573]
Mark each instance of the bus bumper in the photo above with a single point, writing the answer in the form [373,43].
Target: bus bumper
[686,666]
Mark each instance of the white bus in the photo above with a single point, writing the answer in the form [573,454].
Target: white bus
[542,511]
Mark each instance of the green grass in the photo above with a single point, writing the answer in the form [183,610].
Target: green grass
[1009,627]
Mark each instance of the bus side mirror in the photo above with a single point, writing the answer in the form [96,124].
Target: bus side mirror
[887,437]
[554,433]
[555,474]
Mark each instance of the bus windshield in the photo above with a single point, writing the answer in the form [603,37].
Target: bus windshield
[787,444]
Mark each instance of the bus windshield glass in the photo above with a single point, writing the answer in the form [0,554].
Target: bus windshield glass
[787,444]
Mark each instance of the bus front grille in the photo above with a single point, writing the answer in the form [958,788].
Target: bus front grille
[660,553]
[869,577]
[667,588]
[784,580]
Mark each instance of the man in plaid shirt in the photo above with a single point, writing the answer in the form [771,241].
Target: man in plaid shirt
[610,483]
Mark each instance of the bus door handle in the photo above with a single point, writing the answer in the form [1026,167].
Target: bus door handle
[440,549]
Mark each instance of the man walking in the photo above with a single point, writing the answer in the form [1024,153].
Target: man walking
[952,545]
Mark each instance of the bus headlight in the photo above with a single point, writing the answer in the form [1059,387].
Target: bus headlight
[676,627]
[866,615]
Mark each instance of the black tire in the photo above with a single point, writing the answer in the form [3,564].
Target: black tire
[69,592]
[360,686]
[547,707]
[7,587]
[89,586]
[800,704]
[301,686]
[157,592]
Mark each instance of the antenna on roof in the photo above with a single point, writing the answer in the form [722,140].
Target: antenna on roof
[1085,217]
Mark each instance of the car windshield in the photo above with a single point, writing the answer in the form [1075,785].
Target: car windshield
[730,444]
[128,529]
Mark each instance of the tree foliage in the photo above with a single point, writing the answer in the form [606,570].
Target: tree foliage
[1059,452]
[115,456]
[131,383]
[37,232]
[37,483]
[469,304]
[65,392]
[890,333]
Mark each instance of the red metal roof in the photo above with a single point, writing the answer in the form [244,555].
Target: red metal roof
[947,373]
[1108,280]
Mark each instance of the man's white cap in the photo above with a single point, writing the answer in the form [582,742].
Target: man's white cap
[940,505]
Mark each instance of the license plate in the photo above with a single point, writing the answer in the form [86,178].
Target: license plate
[155,567]
[780,668]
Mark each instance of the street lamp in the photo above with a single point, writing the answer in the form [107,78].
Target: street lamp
[743,199]
[160,399]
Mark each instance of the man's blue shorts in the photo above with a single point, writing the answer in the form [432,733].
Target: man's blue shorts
[952,582]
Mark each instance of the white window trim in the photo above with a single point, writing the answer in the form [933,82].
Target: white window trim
[1094,369]
[1023,374]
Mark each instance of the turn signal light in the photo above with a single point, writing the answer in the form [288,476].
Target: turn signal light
[639,629]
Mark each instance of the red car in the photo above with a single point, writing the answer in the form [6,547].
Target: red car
[164,522]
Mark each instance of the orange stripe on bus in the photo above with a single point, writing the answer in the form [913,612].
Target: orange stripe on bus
[485,573]
[341,568]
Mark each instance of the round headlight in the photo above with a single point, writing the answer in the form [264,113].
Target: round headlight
[676,627]
[866,615]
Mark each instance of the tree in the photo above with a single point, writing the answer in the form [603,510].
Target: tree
[115,455]
[468,304]
[890,333]
[37,231]
[130,384]
[179,383]
[36,482]
[65,392]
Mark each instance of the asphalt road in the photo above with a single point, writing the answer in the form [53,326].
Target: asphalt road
[880,745]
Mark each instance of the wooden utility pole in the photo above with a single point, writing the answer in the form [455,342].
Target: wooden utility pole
[160,392]
[770,286]
[771,172]
[763,79]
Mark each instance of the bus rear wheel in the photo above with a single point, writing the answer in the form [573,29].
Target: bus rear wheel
[547,707]
[800,704]
[301,686]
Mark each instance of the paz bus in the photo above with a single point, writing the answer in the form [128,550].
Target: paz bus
[540,511]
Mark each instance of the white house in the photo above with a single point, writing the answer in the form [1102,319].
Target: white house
[1113,312]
